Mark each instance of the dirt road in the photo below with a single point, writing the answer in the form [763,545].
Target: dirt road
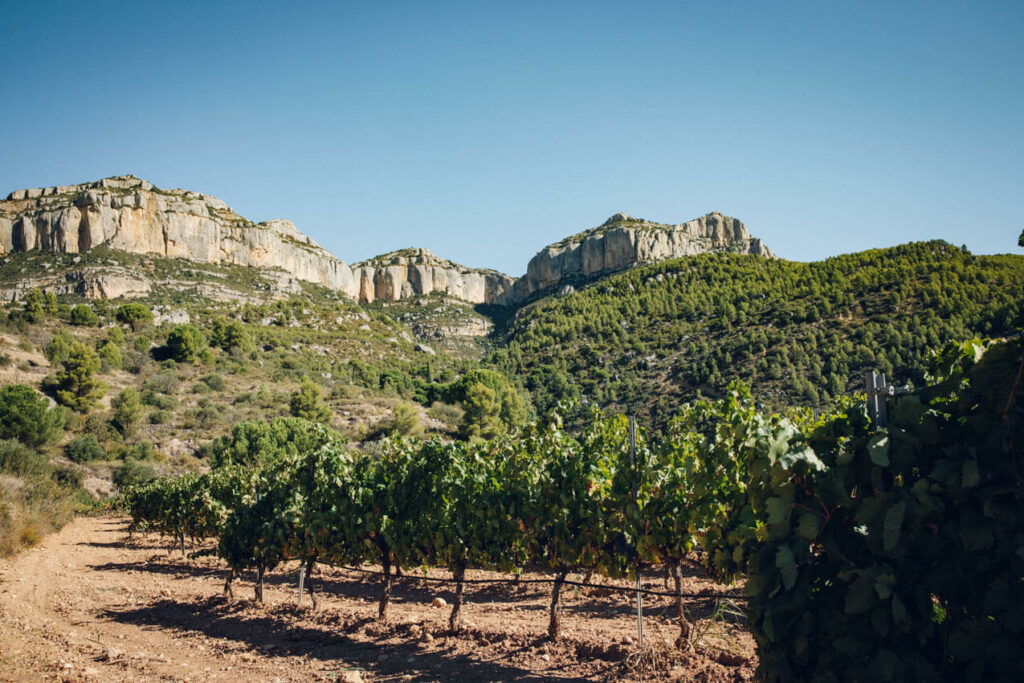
[88,605]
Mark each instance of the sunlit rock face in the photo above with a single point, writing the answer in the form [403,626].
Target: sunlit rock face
[130,214]
[624,242]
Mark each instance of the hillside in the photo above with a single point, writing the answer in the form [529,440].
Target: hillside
[799,333]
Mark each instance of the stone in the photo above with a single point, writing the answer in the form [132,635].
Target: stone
[129,214]
[423,348]
[623,242]
[438,602]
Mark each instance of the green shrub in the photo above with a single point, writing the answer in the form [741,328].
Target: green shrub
[68,477]
[82,314]
[135,315]
[59,347]
[161,417]
[83,449]
[214,381]
[77,386]
[133,472]
[25,415]
[230,336]
[142,344]
[163,382]
[21,461]
[161,401]
[260,442]
[307,404]
[110,356]
[445,412]
[116,335]
[405,420]
[138,451]
[127,410]
[185,343]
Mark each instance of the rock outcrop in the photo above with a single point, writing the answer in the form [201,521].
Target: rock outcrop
[130,214]
[411,272]
[623,242]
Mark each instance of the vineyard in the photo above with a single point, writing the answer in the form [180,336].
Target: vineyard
[868,554]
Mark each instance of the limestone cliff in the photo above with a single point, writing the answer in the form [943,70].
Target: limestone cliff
[131,215]
[410,272]
[624,242]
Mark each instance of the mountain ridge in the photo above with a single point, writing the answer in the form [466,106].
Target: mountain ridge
[130,214]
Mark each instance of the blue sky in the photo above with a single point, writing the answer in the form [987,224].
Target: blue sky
[485,130]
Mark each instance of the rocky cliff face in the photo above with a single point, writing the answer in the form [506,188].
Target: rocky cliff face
[410,272]
[624,242]
[132,215]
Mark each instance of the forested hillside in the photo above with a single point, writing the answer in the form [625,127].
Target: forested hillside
[798,333]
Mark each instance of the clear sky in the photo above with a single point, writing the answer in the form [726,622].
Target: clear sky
[485,130]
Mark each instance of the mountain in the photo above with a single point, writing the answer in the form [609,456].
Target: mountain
[624,242]
[128,214]
[414,272]
[799,333]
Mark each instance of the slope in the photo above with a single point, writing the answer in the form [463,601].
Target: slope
[800,333]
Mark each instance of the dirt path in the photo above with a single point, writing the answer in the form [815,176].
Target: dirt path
[86,605]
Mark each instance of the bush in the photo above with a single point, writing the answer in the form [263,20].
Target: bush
[405,420]
[230,336]
[59,347]
[447,413]
[110,356]
[135,315]
[132,472]
[307,404]
[83,449]
[127,410]
[77,386]
[26,416]
[21,461]
[142,344]
[139,451]
[83,314]
[161,401]
[259,442]
[68,477]
[163,382]
[214,381]
[160,417]
[185,343]
[116,335]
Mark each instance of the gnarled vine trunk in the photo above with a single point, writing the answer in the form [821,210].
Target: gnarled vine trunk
[308,576]
[455,620]
[385,591]
[684,624]
[228,592]
[556,604]
[259,583]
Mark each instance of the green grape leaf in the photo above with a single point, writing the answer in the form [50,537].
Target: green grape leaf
[891,525]
[878,449]
[786,563]
[778,509]
[808,526]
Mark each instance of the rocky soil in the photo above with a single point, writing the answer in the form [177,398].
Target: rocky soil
[90,605]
